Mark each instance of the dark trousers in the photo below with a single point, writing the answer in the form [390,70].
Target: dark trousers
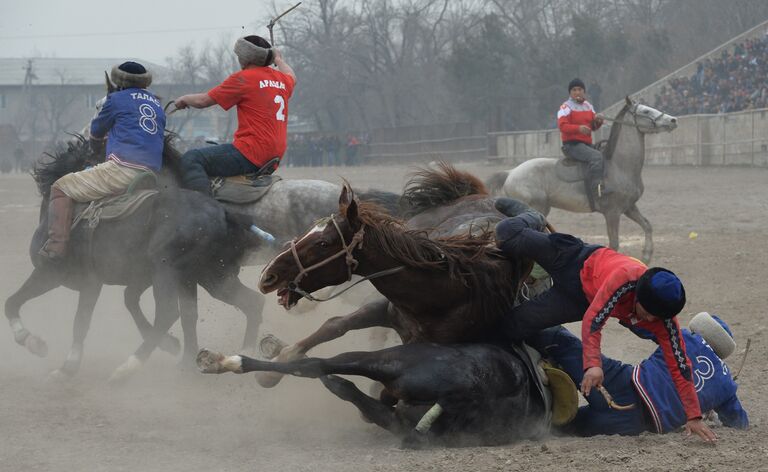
[585,153]
[562,256]
[565,349]
[223,160]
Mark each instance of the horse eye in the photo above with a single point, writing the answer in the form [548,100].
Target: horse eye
[323,243]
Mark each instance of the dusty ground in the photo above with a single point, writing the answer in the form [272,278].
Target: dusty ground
[167,420]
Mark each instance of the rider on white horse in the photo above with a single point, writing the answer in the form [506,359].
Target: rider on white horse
[576,120]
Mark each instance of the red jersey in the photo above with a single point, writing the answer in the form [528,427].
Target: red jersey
[609,280]
[572,115]
[261,95]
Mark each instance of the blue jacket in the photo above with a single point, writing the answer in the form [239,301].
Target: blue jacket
[712,379]
[134,123]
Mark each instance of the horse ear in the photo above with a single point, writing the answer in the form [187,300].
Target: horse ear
[628,100]
[346,196]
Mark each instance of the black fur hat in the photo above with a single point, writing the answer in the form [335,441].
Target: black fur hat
[130,75]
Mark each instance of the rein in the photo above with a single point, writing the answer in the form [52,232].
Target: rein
[349,259]
[633,111]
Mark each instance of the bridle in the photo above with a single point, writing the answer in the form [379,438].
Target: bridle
[346,250]
[633,112]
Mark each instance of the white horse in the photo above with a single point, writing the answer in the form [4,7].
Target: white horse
[544,183]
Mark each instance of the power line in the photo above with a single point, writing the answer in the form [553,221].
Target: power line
[123,33]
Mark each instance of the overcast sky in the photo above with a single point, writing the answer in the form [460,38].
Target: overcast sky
[151,30]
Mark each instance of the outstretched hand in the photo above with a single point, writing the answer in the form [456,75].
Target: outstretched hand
[593,377]
[700,429]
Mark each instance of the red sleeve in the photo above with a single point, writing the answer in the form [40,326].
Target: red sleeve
[290,83]
[670,339]
[618,284]
[230,92]
[565,125]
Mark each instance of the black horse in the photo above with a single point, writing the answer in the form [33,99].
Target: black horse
[173,243]
[454,395]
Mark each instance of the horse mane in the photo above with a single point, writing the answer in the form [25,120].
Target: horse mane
[72,157]
[613,138]
[432,187]
[472,260]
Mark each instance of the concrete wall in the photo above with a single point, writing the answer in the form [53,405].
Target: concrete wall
[708,140]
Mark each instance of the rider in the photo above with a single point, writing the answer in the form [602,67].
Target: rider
[592,283]
[647,384]
[133,124]
[261,95]
[576,120]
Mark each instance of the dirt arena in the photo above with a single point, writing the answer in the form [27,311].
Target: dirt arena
[168,420]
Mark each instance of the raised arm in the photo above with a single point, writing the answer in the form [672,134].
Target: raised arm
[282,66]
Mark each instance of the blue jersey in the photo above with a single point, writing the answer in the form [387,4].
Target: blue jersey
[134,123]
[712,379]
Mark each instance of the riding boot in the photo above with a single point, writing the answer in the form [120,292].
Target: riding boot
[60,211]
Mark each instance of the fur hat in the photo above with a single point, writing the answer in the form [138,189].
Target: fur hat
[576,83]
[661,293]
[130,75]
[715,332]
[254,50]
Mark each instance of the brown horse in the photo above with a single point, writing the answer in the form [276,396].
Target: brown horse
[451,289]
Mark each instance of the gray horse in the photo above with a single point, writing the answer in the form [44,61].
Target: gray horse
[542,184]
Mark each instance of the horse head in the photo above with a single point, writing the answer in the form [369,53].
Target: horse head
[648,119]
[322,257]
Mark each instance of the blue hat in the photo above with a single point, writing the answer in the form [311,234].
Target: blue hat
[661,293]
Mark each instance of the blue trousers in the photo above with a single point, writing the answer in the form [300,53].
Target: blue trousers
[565,349]
[222,160]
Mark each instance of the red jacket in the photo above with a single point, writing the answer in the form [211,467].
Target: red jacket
[572,115]
[609,281]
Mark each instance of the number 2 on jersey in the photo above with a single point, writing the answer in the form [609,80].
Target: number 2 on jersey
[280,116]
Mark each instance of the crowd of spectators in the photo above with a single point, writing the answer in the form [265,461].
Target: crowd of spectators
[731,82]
[318,150]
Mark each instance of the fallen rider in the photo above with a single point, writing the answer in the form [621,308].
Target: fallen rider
[649,385]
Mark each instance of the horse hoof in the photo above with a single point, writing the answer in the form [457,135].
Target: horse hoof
[270,346]
[170,344]
[122,373]
[36,346]
[209,362]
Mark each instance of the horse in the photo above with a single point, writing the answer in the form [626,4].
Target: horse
[537,181]
[174,242]
[447,291]
[442,296]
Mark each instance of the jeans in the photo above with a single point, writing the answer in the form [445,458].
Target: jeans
[585,153]
[565,349]
[222,160]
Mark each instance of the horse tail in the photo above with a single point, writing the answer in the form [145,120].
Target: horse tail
[433,187]
[49,167]
[495,183]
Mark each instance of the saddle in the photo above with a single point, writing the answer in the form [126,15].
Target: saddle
[571,170]
[555,387]
[141,190]
[247,188]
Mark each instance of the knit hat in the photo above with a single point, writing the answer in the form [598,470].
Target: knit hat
[254,50]
[130,75]
[576,83]
[661,293]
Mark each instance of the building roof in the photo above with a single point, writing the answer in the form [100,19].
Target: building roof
[55,71]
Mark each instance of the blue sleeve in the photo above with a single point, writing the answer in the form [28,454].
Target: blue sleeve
[101,125]
[731,413]
[520,235]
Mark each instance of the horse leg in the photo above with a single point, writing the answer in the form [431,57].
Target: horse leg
[189,315]
[42,280]
[131,297]
[165,286]
[367,364]
[86,303]
[233,292]
[367,316]
[612,224]
[634,214]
